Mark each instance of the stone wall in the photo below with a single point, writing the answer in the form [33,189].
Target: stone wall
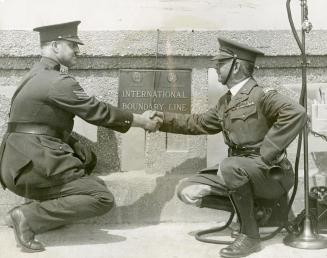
[105,52]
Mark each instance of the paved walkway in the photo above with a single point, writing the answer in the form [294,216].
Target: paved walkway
[166,240]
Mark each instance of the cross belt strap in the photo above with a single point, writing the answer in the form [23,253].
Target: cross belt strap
[40,129]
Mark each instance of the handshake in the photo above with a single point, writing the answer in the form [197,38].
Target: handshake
[150,120]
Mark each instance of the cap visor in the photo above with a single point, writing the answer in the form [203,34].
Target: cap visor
[78,41]
[221,56]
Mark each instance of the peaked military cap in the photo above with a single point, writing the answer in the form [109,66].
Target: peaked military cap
[67,31]
[232,49]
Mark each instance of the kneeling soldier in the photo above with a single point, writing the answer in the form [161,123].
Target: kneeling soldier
[257,124]
[40,160]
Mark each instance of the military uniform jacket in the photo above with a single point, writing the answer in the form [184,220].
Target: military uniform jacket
[52,98]
[254,118]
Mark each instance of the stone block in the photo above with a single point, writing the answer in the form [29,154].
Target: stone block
[143,198]
[149,198]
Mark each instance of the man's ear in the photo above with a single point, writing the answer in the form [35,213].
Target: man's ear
[55,46]
[237,66]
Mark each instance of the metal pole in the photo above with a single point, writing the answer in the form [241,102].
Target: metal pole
[305,104]
[306,239]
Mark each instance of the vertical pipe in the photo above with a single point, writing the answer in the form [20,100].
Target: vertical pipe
[305,130]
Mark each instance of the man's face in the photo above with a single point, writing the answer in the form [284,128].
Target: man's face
[222,69]
[67,53]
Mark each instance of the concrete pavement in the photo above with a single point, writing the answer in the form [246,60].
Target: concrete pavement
[164,240]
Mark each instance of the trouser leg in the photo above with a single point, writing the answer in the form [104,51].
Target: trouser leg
[80,199]
[236,171]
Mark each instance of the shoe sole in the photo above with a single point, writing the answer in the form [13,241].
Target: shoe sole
[18,242]
[238,256]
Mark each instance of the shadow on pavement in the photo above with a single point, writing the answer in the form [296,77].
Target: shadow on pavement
[80,234]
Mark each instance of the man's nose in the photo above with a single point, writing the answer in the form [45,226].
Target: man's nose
[76,50]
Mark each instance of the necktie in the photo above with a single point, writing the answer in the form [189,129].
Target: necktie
[228,97]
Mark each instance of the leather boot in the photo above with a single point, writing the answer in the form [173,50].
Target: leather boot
[261,215]
[249,239]
[23,234]
[241,247]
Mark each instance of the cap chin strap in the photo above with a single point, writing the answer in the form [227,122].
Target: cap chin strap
[230,70]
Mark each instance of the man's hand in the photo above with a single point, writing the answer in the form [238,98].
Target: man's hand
[149,121]
[155,114]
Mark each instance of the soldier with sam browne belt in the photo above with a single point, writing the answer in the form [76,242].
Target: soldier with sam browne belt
[40,159]
[257,124]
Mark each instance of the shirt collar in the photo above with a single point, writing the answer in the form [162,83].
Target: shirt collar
[235,89]
[50,63]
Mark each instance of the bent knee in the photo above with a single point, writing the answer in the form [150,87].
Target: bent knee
[233,174]
[228,165]
[104,202]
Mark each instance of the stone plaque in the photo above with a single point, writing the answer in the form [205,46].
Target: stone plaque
[161,90]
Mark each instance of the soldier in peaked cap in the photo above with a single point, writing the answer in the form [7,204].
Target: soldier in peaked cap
[66,31]
[257,124]
[40,159]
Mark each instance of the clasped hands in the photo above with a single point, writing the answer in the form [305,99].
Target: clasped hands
[150,120]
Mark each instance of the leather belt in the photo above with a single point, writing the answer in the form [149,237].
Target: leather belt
[243,152]
[41,129]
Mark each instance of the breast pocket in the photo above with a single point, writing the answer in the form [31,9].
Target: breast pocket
[243,113]
[244,124]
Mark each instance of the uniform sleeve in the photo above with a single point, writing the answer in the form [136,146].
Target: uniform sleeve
[287,118]
[68,95]
[193,124]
